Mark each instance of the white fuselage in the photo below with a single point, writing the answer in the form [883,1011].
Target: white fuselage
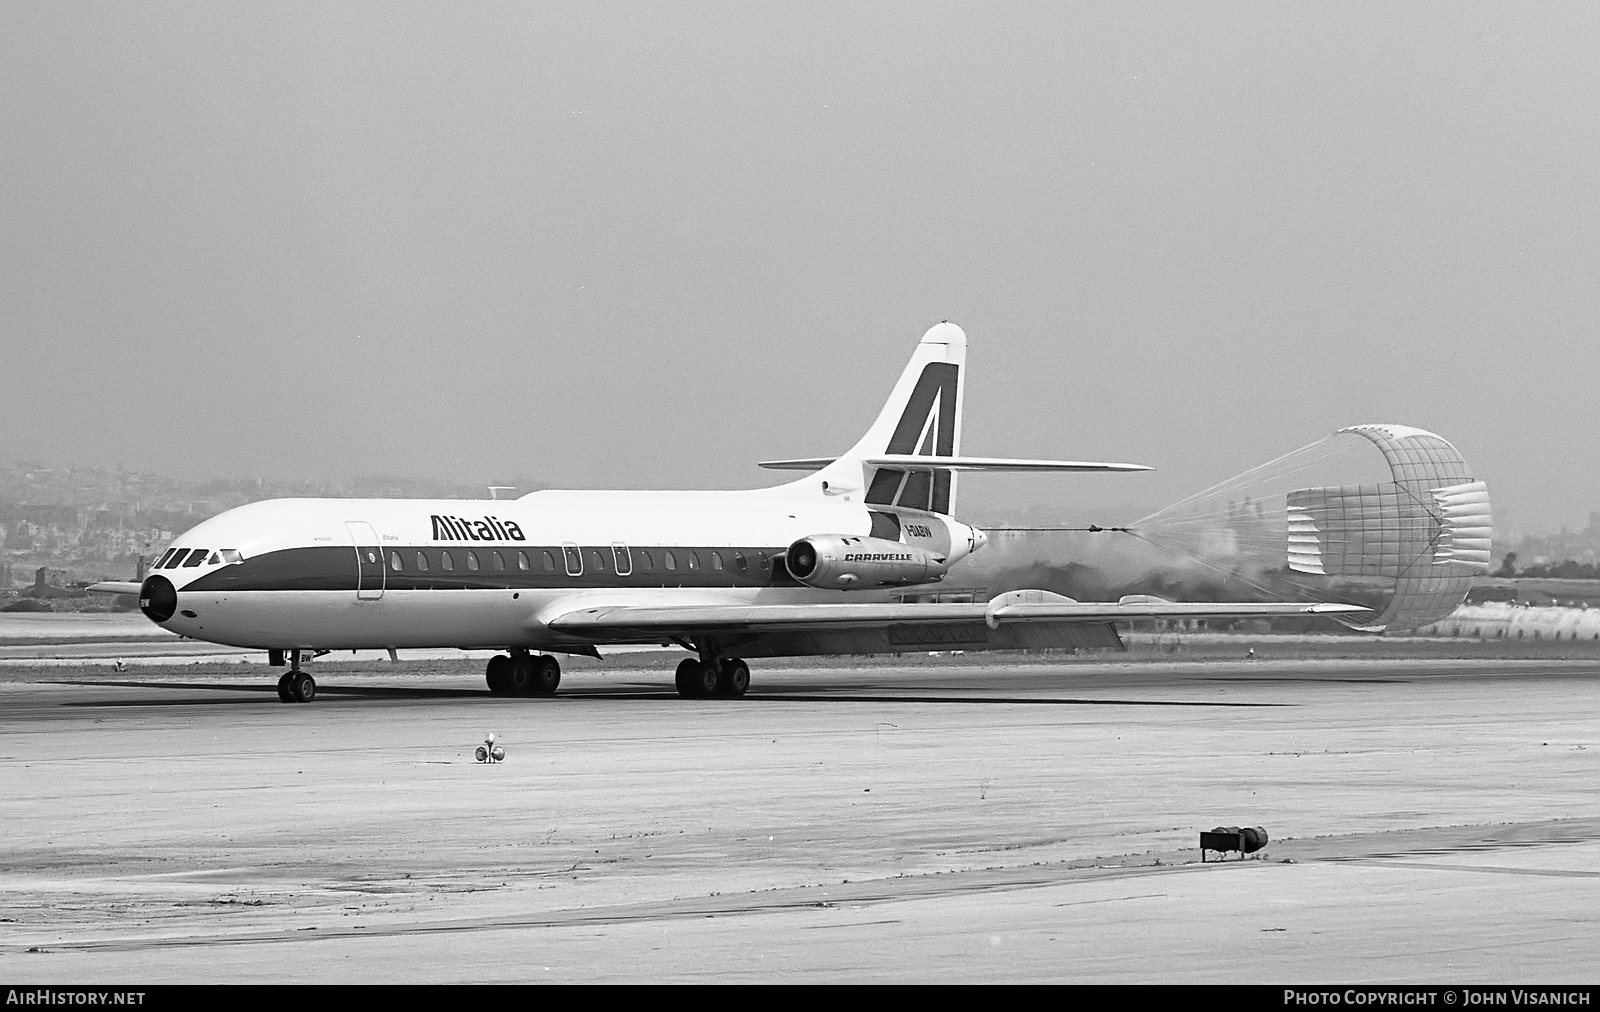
[375,573]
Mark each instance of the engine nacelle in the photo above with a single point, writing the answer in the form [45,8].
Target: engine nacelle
[852,562]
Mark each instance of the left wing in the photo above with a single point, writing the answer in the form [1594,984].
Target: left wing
[113,587]
[1029,619]
[629,620]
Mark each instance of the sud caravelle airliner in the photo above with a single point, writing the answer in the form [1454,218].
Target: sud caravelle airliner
[809,567]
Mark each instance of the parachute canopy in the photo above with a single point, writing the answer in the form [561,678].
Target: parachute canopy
[1417,533]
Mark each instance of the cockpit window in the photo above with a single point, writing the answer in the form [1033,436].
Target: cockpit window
[175,557]
[231,556]
[164,557]
[196,558]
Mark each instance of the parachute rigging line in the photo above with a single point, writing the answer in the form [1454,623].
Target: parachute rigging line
[1242,478]
[1091,529]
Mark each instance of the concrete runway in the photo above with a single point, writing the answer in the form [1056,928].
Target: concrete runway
[1432,821]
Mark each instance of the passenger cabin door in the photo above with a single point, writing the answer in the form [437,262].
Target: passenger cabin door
[370,571]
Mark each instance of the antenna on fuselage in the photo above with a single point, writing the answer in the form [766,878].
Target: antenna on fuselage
[495,490]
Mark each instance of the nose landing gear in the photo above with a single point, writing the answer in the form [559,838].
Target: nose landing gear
[296,686]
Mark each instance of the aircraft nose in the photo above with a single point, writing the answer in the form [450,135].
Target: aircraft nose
[158,598]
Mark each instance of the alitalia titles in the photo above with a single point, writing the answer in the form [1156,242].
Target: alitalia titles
[447,528]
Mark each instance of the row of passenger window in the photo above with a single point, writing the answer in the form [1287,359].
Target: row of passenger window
[188,558]
[575,561]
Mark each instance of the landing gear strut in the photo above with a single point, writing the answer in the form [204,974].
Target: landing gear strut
[698,679]
[522,674]
[296,686]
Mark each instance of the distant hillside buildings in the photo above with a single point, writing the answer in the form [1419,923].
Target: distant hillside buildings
[91,524]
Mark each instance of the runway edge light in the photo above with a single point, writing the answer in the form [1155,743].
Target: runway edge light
[489,752]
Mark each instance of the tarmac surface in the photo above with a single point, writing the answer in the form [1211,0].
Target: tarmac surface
[957,819]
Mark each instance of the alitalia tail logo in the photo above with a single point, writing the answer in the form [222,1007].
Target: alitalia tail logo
[468,529]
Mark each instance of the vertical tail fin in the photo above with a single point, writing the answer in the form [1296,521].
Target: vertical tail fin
[922,417]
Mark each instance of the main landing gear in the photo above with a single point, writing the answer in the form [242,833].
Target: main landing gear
[522,674]
[296,686]
[699,679]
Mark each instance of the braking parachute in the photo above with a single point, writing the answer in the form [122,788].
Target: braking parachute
[1406,537]
[1428,528]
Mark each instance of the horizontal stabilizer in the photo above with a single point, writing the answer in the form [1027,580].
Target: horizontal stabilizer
[804,464]
[923,462]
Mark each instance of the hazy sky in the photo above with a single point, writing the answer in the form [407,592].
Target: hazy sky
[629,245]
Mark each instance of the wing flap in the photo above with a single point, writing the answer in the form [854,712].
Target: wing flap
[754,617]
[1166,610]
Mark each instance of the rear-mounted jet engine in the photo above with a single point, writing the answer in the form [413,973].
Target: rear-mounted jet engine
[849,562]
